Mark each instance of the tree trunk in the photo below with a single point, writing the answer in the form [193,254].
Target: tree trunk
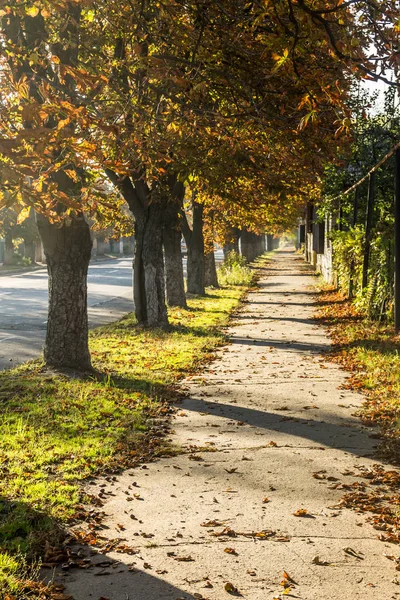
[30,250]
[38,252]
[261,245]
[101,245]
[249,245]
[233,243]
[210,270]
[148,281]
[172,236]
[67,249]
[8,249]
[195,256]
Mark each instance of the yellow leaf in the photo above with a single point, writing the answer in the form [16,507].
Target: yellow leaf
[33,11]
[23,215]
[287,591]
[63,123]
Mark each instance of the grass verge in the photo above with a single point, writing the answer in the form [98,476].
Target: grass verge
[58,431]
[369,350]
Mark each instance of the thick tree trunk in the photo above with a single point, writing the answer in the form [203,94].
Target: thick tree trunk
[210,270]
[195,256]
[149,282]
[8,249]
[101,245]
[147,205]
[249,245]
[67,249]
[233,243]
[261,245]
[38,252]
[172,236]
[30,250]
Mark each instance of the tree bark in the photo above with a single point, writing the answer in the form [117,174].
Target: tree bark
[30,250]
[67,249]
[233,243]
[195,245]
[172,236]
[261,245]
[147,205]
[38,252]
[149,281]
[100,249]
[8,249]
[210,270]
[249,245]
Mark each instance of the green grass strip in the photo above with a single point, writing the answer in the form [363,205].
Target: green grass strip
[57,431]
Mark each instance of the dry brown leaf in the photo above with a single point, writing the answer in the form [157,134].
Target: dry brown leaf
[301,512]
[230,588]
[212,523]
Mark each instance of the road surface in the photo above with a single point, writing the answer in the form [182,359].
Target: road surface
[23,306]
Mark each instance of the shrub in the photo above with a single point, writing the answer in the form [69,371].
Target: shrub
[235,271]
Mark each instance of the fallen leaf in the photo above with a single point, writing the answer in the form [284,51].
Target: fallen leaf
[231,551]
[230,588]
[227,531]
[301,512]
[287,580]
[352,552]
[317,561]
[319,475]
[212,523]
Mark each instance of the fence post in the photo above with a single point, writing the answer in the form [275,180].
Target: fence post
[368,224]
[355,206]
[340,226]
[354,223]
[397,242]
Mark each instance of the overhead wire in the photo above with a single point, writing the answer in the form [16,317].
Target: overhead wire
[373,170]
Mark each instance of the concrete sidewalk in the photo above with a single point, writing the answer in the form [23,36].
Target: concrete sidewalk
[269,441]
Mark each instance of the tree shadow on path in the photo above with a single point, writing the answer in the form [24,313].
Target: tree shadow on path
[335,432]
[31,537]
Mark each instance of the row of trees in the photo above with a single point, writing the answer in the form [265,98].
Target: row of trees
[13,231]
[226,111]
[22,244]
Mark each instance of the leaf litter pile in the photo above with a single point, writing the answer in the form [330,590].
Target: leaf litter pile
[370,352]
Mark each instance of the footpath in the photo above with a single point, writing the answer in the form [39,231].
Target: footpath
[251,508]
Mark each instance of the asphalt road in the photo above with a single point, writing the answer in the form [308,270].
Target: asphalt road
[23,306]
